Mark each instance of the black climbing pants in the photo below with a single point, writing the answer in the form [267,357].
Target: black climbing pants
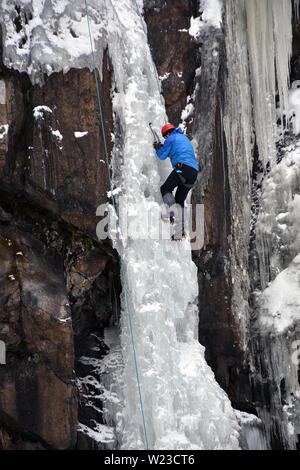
[183,177]
[184,181]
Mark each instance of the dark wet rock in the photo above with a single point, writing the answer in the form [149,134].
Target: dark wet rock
[174,50]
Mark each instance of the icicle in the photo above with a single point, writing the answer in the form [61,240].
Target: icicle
[270,41]
[282,20]
[237,122]
[238,115]
[296,9]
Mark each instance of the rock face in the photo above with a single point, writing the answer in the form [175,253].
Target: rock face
[54,142]
[173,49]
[36,385]
[55,285]
[59,286]
[55,276]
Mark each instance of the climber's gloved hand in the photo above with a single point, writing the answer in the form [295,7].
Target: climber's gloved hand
[157,145]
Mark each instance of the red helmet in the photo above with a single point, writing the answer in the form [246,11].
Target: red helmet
[166,128]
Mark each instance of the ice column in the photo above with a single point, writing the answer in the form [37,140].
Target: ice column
[184,407]
[269,25]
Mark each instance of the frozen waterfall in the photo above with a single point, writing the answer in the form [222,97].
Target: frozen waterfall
[184,406]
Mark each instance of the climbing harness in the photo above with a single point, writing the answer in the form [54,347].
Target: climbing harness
[117,226]
[179,165]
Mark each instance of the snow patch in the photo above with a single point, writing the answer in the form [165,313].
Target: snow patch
[280,301]
[3,130]
[210,16]
[38,111]
[101,434]
[57,134]
[78,134]
[212,12]
[51,37]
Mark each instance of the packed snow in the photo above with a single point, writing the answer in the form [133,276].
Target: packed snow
[44,37]
[211,12]
[210,17]
[79,134]
[57,134]
[281,300]
[39,111]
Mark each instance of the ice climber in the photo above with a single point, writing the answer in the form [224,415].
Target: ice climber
[179,149]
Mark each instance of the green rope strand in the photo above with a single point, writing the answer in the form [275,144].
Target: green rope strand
[117,230]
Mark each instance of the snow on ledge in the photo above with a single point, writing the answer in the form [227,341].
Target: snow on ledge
[51,36]
[211,16]
[78,134]
[102,433]
[38,111]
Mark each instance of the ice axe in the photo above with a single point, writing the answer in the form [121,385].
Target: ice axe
[156,138]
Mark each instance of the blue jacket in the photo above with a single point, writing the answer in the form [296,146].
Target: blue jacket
[180,150]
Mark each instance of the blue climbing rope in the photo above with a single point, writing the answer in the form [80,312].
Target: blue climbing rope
[123,275]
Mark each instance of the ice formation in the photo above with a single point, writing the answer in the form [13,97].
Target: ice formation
[184,406]
[277,303]
[252,434]
[269,26]
[280,301]
[277,228]
[42,37]
[237,124]
[294,106]
[275,326]
[211,12]
[177,385]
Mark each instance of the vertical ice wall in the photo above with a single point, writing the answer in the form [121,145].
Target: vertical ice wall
[276,308]
[183,405]
[262,30]
[269,26]
[237,122]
